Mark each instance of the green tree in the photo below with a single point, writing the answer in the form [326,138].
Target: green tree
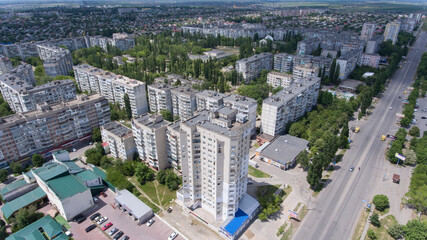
[128,168]
[375,220]
[127,106]
[303,159]
[167,115]
[161,176]
[25,216]
[417,194]
[15,167]
[3,233]
[144,174]
[415,230]
[371,234]
[96,134]
[37,160]
[395,231]
[4,175]
[415,131]
[314,174]
[411,157]
[381,202]
[94,159]
[116,177]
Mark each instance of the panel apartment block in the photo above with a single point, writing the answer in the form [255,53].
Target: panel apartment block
[279,79]
[215,169]
[283,62]
[56,60]
[150,138]
[119,139]
[209,100]
[183,102]
[51,126]
[251,67]
[288,105]
[112,86]
[22,96]
[159,97]
[5,64]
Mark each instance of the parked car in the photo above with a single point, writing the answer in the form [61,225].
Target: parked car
[423,117]
[169,209]
[95,216]
[74,150]
[150,222]
[95,200]
[250,181]
[173,236]
[111,233]
[80,220]
[107,226]
[77,217]
[125,238]
[351,169]
[90,228]
[118,235]
[102,220]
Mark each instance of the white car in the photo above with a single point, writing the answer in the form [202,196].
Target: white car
[102,220]
[74,149]
[391,108]
[173,236]
[150,222]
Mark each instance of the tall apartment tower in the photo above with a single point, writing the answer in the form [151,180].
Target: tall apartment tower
[159,97]
[149,131]
[56,60]
[215,167]
[391,31]
[368,30]
[5,64]
[119,139]
[288,105]
[283,62]
[209,100]
[113,87]
[251,67]
[51,126]
[183,102]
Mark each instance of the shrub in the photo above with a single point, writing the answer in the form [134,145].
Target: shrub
[381,202]
[375,220]
[415,131]
[371,234]
[395,231]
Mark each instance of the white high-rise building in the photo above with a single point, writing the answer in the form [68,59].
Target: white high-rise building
[215,168]
[288,105]
[251,67]
[209,100]
[305,71]
[280,79]
[159,97]
[113,87]
[368,31]
[150,138]
[391,31]
[246,109]
[119,139]
[183,102]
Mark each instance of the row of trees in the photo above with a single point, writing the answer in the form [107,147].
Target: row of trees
[416,196]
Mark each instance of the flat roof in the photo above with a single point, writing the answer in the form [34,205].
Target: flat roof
[31,232]
[66,186]
[132,203]
[284,149]
[118,129]
[86,175]
[11,207]
[350,83]
[247,206]
[50,170]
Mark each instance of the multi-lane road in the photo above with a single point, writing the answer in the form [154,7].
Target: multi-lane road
[334,213]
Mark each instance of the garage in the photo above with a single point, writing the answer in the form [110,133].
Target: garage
[135,207]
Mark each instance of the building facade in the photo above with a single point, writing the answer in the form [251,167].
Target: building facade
[215,168]
[51,126]
[348,63]
[114,87]
[368,31]
[391,31]
[279,79]
[159,97]
[119,139]
[183,102]
[209,100]
[370,60]
[149,131]
[288,105]
[5,64]
[283,62]
[305,71]
[251,67]
[56,60]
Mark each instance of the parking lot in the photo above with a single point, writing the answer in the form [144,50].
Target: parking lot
[121,220]
[421,115]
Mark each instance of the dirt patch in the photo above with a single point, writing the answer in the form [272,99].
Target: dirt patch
[249,234]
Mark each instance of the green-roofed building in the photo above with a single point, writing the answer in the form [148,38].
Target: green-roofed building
[42,229]
[13,206]
[10,187]
[65,191]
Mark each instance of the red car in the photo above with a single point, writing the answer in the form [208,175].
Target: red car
[104,194]
[107,226]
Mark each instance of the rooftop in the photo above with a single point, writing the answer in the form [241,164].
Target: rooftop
[284,149]
[86,175]
[153,121]
[12,186]
[211,94]
[239,100]
[66,186]
[50,170]
[118,129]
[32,232]
[136,206]
[11,207]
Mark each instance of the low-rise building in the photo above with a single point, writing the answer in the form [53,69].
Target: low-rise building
[288,105]
[42,229]
[118,140]
[135,207]
[283,150]
[279,79]
[371,60]
[114,87]
[150,138]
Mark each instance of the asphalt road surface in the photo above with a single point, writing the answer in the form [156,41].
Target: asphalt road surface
[334,213]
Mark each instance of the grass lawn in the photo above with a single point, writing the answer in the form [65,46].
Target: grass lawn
[360,225]
[150,204]
[62,221]
[287,235]
[257,173]
[158,193]
[381,232]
